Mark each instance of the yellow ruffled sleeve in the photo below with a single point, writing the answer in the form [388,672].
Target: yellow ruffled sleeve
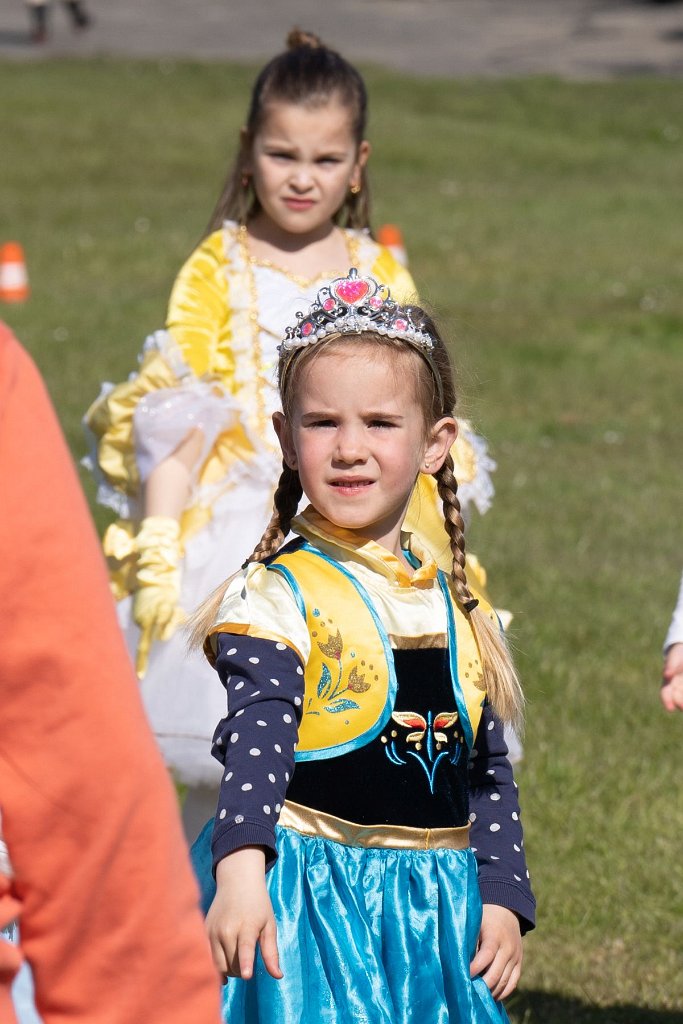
[199,314]
[110,421]
[390,272]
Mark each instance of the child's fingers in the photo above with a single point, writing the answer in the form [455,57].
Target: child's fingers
[483,957]
[671,694]
[507,987]
[666,695]
[246,951]
[269,952]
[498,974]
[230,952]
[493,976]
[499,968]
[219,955]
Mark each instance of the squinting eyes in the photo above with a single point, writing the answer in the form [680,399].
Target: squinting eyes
[319,160]
[374,424]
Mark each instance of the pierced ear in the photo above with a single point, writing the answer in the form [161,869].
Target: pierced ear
[356,179]
[440,440]
[364,151]
[284,436]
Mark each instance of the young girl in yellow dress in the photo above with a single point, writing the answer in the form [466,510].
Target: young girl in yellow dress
[367,807]
[185,448]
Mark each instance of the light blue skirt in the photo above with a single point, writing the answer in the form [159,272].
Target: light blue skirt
[365,936]
[22,986]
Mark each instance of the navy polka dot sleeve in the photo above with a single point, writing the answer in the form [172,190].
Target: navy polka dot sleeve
[496,832]
[256,740]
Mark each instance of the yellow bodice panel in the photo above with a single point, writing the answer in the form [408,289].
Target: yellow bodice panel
[350,682]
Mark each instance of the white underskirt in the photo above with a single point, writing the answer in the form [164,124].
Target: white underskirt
[182,694]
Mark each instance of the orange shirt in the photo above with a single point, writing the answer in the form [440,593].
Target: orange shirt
[108,906]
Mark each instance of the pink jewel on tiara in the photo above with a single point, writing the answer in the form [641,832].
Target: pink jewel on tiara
[353,305]
[351,290]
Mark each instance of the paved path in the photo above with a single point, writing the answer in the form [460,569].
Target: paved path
[571,38]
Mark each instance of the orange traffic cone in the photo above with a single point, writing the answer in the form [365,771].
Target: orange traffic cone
[13,276]
[391,236]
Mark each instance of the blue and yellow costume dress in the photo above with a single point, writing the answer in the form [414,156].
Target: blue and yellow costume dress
[359,750]
[213,369]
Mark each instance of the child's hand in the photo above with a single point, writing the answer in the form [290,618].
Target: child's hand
[242,915]
[672,674]
[499,955]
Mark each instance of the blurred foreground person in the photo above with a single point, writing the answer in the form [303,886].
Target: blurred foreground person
[672,674]
[97,872]
[38,14]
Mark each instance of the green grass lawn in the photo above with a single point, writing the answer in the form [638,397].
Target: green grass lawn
[543,221]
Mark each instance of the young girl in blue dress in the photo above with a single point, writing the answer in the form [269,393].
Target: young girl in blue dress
[367,838]
[185,448]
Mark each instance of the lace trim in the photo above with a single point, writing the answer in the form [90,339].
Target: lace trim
[352,248]
[479,491]
[124,505]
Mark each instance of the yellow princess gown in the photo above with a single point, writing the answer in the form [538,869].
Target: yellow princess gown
[214,369]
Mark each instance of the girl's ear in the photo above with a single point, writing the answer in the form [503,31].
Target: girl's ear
[361,159]
[284,436]
[245,149]
[440,440]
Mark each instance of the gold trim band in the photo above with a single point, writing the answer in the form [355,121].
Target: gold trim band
[400,837]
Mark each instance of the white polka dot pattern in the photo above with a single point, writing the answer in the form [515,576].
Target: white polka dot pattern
[265,688]
[495,831]
[257,773]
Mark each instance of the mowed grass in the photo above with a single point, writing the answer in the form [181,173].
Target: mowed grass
[543,221]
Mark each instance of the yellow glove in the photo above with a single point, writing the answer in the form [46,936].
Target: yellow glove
[156,608]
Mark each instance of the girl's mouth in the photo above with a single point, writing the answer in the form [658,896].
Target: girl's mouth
[351,485]
[298,204]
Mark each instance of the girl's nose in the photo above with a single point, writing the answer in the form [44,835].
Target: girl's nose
[350,447]
[301,178]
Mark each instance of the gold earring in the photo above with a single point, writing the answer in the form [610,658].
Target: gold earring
[356,189]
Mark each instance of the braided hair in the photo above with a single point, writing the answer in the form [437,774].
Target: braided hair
[437,399]
[436,393]
[285,503]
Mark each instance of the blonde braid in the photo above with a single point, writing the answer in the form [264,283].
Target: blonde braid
[447,487]
[502,682]
[285,503]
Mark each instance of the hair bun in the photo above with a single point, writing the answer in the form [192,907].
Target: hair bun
[298,38]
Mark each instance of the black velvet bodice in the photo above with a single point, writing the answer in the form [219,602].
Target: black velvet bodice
[414,772]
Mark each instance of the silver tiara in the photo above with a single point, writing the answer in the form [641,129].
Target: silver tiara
[352,305]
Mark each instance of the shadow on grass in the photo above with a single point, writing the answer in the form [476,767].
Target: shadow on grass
[530,1007]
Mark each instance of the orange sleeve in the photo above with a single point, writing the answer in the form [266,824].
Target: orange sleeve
[109,916]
